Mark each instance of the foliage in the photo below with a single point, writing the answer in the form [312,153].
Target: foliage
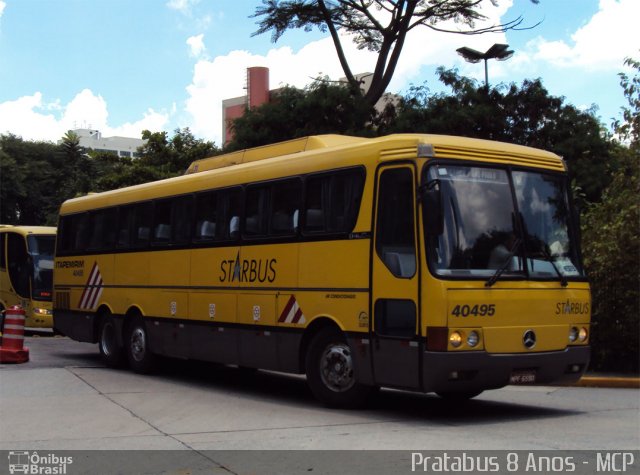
[30,186]
[322,108]
[629,127]
[526,115]
[611,242]
[377,25]
[172,156]
[36,177]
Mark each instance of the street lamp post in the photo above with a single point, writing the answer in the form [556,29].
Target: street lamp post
[499,52]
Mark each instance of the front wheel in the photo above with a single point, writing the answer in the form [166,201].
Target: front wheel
[330,371]
[140,357]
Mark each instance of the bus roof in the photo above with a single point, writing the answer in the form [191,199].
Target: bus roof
[270,151]
[24,230]
[310,154]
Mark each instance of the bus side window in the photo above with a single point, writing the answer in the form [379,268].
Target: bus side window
[141,224]
[125,221]
[255,211]
[80,230]
[181,208]
[285,203]
[161,222]
[229,208]
[102,229]
[332,201]
[206,216]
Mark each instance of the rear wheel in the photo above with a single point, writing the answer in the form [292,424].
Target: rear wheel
[140,357]
[111,350]
[331,373]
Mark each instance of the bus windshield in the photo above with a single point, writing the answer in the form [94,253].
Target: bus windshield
[40,249]
[503,222]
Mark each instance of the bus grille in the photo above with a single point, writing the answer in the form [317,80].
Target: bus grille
[62,300]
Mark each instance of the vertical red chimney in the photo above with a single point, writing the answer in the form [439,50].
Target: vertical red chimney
[257,86]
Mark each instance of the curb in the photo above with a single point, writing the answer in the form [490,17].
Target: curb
[608,382]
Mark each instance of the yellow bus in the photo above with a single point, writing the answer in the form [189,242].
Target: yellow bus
[422,262]
[26,271]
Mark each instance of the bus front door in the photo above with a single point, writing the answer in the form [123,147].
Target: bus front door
[395,281]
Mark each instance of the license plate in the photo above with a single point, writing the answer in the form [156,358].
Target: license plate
[523,377]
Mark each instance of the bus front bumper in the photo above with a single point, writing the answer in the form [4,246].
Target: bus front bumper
[478,370]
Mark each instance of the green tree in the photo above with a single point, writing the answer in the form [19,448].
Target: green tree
[526,115]
[611,243]
[321,108]
[78,169]
[380,26]
[29,181]
[172,156]
[629,127]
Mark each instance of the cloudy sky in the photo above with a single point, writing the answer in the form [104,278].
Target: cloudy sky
[122,66]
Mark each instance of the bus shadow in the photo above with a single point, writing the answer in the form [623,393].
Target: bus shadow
[401,406]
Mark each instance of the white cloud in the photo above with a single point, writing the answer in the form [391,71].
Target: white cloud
[224,76]
[183,6]
[196,46]
[21,117]
[2,7]
[33,119]
[602,43]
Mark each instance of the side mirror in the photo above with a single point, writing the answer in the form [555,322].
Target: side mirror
[432,213]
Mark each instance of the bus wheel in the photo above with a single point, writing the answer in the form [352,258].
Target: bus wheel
[140,357]
[111,351]
[330,371]
[459,395]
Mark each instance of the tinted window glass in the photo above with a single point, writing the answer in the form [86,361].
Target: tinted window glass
[141,225]
[256,211]
[395,235]
[181,219]
[125,223]
[332,201]
[207,219]
[162,222]
[81,227]
[102,229]
[285,207]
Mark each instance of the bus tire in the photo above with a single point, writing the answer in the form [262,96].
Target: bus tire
[111,350]
[457,396]
[331,373]
[139,354]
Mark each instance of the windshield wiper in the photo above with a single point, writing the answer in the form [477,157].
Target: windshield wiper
[494,278]
[549,259]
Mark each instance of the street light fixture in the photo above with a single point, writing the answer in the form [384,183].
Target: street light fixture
[499,52]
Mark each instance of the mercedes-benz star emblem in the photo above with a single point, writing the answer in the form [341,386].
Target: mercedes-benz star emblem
[529,339]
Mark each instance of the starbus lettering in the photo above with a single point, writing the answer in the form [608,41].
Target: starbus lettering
[572,308]
[248,270]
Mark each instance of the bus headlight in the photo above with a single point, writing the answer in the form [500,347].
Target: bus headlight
[583,334]
[455,339]
[41,311]
[573,334]
[473,338]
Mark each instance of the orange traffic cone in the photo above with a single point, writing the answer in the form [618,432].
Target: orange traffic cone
[12,349]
